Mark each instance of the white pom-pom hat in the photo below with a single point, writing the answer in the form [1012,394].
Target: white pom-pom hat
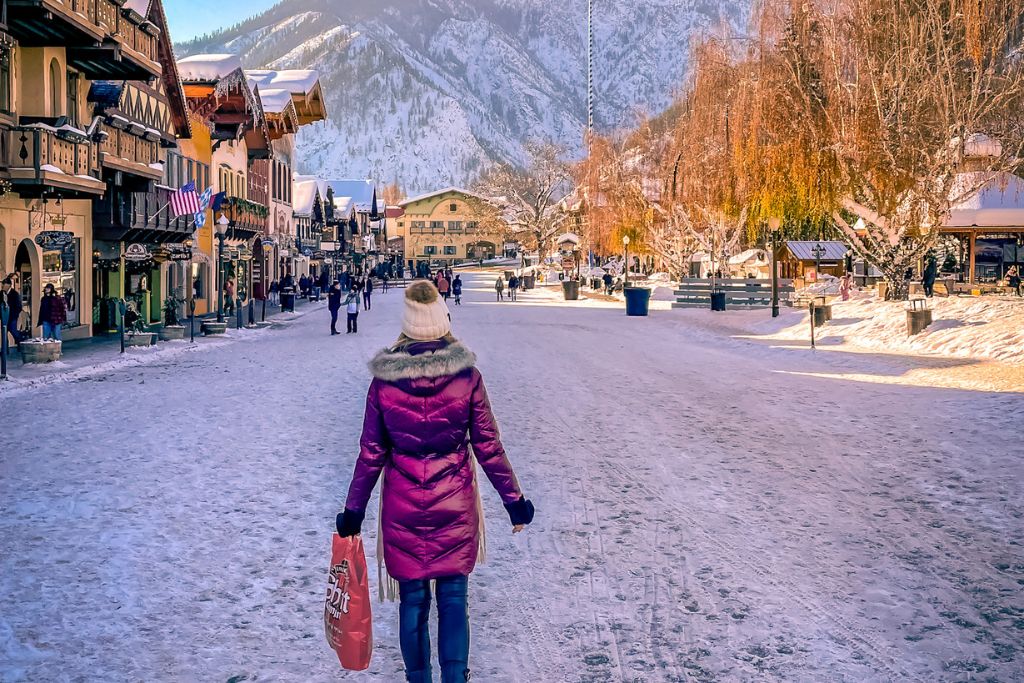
[426,315]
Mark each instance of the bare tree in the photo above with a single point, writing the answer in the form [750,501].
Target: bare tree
[528,197]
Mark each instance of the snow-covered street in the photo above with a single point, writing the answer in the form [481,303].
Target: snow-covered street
[708,508]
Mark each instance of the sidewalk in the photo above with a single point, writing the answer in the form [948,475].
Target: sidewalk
[101,354]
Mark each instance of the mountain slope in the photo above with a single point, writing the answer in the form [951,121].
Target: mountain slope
[428,92]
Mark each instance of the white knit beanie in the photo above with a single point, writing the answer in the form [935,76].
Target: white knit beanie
[426,315]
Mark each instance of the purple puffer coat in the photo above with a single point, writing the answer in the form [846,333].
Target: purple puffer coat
[425,408]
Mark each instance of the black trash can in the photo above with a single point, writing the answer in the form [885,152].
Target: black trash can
[288,301]
[820,315]
[571,289]
[717,301]
[529,281]
[638,300]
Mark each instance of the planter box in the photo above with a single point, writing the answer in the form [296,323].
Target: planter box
[38,351]
[140,339]
[212,327]
[172,332]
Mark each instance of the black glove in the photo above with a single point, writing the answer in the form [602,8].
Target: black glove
[349,522]
[520,512]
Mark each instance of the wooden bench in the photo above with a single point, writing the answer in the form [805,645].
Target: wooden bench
[739,293]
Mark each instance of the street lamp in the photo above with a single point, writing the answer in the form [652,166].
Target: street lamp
[774,223]
[625,258]
[818,252]
[222,232]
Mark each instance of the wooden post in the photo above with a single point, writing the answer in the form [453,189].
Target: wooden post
[970,273]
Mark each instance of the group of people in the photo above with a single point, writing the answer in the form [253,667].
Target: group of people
[515,283]
[449,286]
[53,312]
[339,297]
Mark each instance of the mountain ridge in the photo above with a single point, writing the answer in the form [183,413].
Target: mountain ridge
[428,93]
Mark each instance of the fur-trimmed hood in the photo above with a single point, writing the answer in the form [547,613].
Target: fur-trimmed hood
[445,361]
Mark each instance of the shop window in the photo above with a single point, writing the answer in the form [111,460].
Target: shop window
[430,250]
[5,80]
[60,268]
[450,251]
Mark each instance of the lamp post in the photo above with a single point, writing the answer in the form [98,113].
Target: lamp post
[222,231]
[818,252]
[625,257]
[774,223]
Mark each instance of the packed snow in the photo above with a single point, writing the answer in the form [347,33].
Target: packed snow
[712,505]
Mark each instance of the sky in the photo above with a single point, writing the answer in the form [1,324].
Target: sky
[191,18]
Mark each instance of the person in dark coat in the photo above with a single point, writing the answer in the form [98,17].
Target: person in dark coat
[457,290]
[931,271]
[1014,280]
[367,293]
[52,313]
[609,283]
[275,290]
[513,287]
[334,305]
[428,423]
[14,307]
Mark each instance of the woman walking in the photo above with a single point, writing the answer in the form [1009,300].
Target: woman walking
[499,288]
[426,407]
[457,290]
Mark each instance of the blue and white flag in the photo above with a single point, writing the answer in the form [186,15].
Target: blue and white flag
[200,219]
[204,198]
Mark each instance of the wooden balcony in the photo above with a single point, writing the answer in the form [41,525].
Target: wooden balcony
[125,151]
[248,218]
[139,217]
[103,39]
[41,158]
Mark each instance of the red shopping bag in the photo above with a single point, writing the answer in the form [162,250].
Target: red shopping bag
[347,619]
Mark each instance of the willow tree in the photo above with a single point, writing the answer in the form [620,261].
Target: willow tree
[873,106]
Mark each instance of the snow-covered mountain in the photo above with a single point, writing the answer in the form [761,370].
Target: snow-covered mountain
[428,92]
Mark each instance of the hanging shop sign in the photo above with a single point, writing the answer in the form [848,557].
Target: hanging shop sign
[267,243]
[329,246]
[179,252]
[137,252]
[317,255]
[306,251]
[54,240]
[568,264]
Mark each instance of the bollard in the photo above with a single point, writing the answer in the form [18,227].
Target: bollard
[252,312]
[811,305]
[263,313]
[5,315]
[238,314]
[122,308]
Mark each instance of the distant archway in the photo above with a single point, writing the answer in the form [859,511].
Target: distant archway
[56,87]
[27,267]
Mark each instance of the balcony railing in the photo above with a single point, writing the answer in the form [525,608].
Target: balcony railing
[103,39]
[246,216]
[425,230]
[130,148]
[43,155]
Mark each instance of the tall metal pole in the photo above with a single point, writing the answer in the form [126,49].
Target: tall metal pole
[775,273]
[220,278]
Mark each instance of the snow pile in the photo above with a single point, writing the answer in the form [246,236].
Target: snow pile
[986,328]
[208,68]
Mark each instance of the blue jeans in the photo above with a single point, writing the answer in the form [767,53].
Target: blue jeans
[452,629]
[51,331]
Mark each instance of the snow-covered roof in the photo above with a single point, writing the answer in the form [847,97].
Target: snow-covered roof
[438,193]
[362,192]
[342,206]
[208,68]
[568,237]
[755,257]
[804,250]
[998,204]
[304,194]
[295,81]
[274,100]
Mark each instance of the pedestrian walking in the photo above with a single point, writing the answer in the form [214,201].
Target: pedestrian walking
[384,283]
[427,418]
[14,306]
[499,288]
[352,312]
[513,287]
[609,283]
[367,293]
[457,290]
[931,271]
[1014,280]
[444,287]
[334,305]
[275,292]
[52,313]
[845,285]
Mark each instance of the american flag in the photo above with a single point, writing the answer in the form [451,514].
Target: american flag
[185,201]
